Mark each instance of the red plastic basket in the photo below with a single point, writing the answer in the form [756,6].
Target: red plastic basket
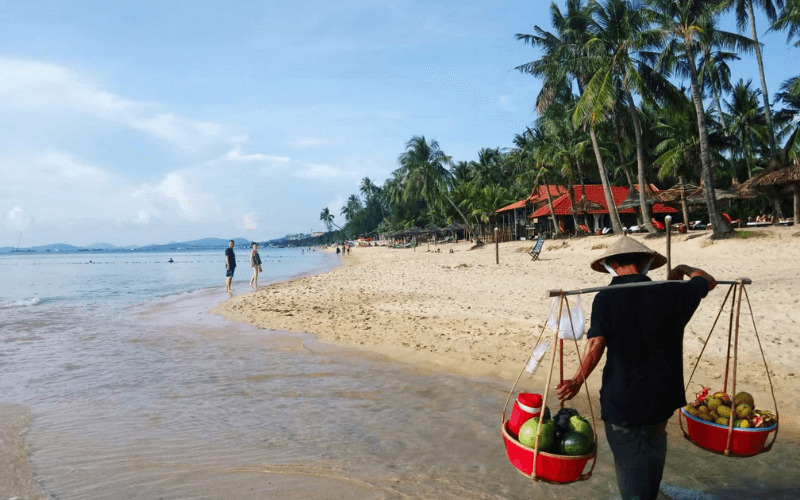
[549,467]
[714,437]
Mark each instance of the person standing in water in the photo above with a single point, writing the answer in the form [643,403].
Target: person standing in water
[230,265]
[255,263]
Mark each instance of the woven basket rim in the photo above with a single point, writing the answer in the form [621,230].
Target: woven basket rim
[735,429]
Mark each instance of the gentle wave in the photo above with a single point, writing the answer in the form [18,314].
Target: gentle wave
[6,304]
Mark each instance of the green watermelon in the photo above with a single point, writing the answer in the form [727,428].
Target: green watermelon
[580,425]
[528,431]
[575,444]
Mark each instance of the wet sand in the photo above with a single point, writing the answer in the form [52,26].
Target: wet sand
[462,313]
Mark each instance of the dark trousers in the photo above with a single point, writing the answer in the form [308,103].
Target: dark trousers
[639,456]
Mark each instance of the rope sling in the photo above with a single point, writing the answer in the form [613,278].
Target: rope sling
[733,342]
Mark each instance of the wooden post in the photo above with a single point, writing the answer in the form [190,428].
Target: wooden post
[668,221]
[496,247]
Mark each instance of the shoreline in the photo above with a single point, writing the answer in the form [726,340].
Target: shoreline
[462,313]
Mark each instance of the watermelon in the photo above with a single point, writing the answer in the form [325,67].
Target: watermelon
[580,425]
[528,431]
[575,444]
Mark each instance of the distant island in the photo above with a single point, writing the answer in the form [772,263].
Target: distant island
[294,240]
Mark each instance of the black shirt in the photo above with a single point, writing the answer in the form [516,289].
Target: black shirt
[230,253]
[643,330]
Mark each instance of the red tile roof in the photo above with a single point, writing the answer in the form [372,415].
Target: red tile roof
[536,196]
[594,192]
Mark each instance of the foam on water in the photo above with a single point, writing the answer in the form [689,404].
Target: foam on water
[8,303]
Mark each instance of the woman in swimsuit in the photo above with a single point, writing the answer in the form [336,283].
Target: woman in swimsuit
[255,263]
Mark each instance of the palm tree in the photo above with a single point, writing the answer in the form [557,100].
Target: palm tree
[619,49]
[367,188]
[564,60]
[744,10]
[425,173]
[327,217]
[680,22]
[789,116]
[352,208]
[488,169]
[748,125]
[790,20]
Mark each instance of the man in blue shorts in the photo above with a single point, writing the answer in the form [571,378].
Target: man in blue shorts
[230,265]
[642,328]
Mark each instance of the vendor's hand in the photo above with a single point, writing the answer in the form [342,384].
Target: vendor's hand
[568,389]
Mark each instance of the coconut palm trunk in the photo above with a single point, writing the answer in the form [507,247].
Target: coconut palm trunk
[621,153]
[637,128]
[765,93]
[684,205]
[612,208]
[557,230]
[720,226]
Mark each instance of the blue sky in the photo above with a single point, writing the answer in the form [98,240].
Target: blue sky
[147,122]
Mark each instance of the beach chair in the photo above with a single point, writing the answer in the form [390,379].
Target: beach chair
[733,223]
[537,248]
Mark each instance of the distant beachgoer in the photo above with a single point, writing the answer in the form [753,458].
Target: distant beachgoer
[230,265]
[348,249]
[255,263]
[337,250]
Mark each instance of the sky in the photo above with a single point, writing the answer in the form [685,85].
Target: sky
[139,122]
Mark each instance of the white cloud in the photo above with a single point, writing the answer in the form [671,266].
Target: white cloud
[34,85]
[320,172]
[236,155]
[18,220]
[186,133]
[309,142]
[249,221]
[296,168]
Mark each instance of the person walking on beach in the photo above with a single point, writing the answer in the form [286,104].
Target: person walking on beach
[230,265]
[643,376]
[255,263]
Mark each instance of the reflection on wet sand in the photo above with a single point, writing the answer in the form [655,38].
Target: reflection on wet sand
[168,403]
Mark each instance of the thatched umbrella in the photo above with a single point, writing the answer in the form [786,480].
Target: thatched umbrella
[632,200]
[774,178]
[453,227]
[431,230]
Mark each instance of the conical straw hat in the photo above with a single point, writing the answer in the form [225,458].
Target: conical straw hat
[627,245]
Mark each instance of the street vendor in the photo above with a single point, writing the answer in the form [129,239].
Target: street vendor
[642,327]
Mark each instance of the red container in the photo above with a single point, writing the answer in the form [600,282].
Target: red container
[549,467]
[714,437]
[527,406]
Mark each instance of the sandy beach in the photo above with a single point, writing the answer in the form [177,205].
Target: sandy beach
[461,312]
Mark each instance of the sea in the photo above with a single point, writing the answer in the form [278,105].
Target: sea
[116,381]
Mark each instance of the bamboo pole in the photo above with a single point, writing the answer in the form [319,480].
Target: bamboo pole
[556,293]
[668,220]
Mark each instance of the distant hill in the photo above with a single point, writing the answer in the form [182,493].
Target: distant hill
[55,247]
[102,246]
[201,244]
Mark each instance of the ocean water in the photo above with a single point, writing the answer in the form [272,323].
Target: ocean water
[116,382]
